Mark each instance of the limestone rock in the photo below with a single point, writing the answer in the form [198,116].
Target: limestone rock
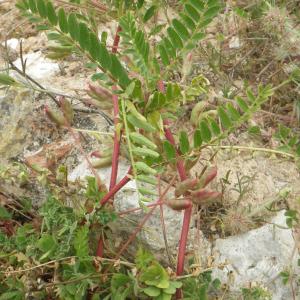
[258,256]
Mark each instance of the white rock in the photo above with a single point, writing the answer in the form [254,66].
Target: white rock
[258,256]
[37,66]
[12,44]
[151,236]
[234,43]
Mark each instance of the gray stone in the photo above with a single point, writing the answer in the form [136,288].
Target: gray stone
[37,66]
[258,256]
[151,235]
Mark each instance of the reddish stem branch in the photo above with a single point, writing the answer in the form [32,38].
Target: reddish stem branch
[116,150]
[188,211]
[117,137]
[132,210]
[116,188]
[145,219]
[99,251]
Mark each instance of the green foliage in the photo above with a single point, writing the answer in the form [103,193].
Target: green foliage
[154,277]
[4,213]
[15,290]
[230,117]
[255,293]
[152,57]
[81,242]
[146,74]
[291,217]
[198,288]
[185,32]
[71,31]
[92,190]
[289,141]
[285,276]
[60,238]
[6,80]
[137,46]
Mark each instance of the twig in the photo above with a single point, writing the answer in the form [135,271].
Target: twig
[74,280]
[253,149]
[116,188]
[145,219]
[163,223]
[188,211]
[117,137]
[38,266]
[116,149]
[13,67]
[93,131]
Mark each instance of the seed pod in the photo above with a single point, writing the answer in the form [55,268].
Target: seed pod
[148,179]
[178,204]
[57,55]
[145,191]
[134,112]
[140,123]
[55,117]
[185,185]
[142,140]
[103,153]
[100,93]
[207,177]
[145,152]
[204,196]
[67,109]
[206,115]
[141,166]
[197,110]
[103,105]
[210,174]
[102,162]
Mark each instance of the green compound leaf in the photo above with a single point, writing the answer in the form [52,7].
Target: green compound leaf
[41,7]
[62,21]
[197,138]
[81,242]
[205,132]
[169,150]
[84,37]
[225,120]
[149,13]
[51,14]
[73,26]
[180,29]
[184,143]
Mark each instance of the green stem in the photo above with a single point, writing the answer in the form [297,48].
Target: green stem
[134,171]
[281,85]
[253,149]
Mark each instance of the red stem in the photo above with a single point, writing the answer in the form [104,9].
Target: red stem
[116,188]
[117,137]
[188,211]
[100,249]
[145,219]
[116,150]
